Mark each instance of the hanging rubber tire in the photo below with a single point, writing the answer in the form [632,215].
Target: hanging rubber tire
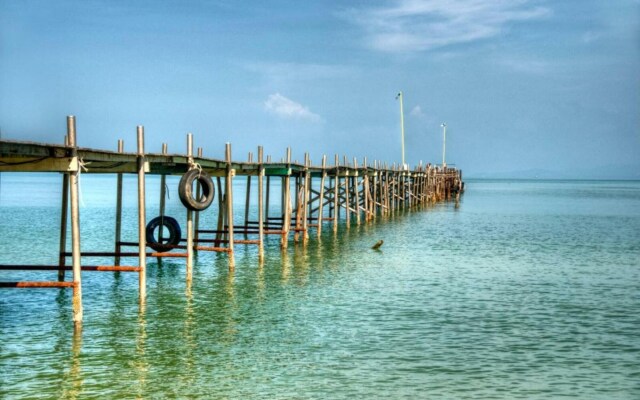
[175,233]
[185,190]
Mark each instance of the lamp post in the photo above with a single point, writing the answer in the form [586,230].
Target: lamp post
[399,96]
[444,143]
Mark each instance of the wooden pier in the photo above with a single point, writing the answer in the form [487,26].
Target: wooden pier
[312,198]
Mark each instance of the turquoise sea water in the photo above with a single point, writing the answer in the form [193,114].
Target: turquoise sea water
[528,289]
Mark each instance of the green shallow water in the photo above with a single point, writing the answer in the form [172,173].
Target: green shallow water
[528,289]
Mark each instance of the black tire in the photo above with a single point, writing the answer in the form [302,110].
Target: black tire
[175,233]
[187,196]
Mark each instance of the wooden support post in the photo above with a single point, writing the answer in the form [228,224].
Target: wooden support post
[396,173]
[336,193]
[356,190]
[396,184]
[389,191]
[391,186]
[401,189]
[282,200]
[382,194]
[221,208]
[321,196]
[298,201]
[365,191]
[247,200]
[229,193]
[142,236]
[196,222]
[409,185]
[305,198]
[260,205]
[347,189]
[118,237]
[376,179]
[189,214]
[286,198]
[64,209]
[75,226]
[373,189]
[365,197]
[381,191]
[163,195]
[268,195]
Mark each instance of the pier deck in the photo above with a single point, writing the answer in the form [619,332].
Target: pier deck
[311,196]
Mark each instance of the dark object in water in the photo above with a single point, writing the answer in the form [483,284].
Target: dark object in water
[377,245]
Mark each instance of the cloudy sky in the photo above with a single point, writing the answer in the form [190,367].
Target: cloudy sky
[522,84]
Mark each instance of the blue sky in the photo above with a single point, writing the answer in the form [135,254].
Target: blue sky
[523,85]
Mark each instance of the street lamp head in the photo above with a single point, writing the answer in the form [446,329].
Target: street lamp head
[443,124]
[398,95]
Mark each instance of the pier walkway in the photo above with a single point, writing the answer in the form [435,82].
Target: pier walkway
[312,198]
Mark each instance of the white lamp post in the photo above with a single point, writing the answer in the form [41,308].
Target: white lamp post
[444,143]
[399,96]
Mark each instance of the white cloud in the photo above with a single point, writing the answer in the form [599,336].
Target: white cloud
[417,112]
[283,107]
[418,25]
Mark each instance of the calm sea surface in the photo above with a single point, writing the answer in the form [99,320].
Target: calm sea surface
[528,289]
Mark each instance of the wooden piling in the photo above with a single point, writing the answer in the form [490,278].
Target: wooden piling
[356,190]
[75,225]
[305,198]
[267,198]
[229,194]
[347,189]
[260,204]
[247,199]
[63,221]
[196,222]
[142,236]
[190,213]
[163,195]
[365,190]
[118,247]
[321,196]
[297,205]
[221,211]
[336,194]
[286,201]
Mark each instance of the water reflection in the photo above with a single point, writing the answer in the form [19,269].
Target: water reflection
[286,266]
[260,281]
[72,375]
[190,342]
[141,364]
[300,264]
[75,371]
[230,325]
